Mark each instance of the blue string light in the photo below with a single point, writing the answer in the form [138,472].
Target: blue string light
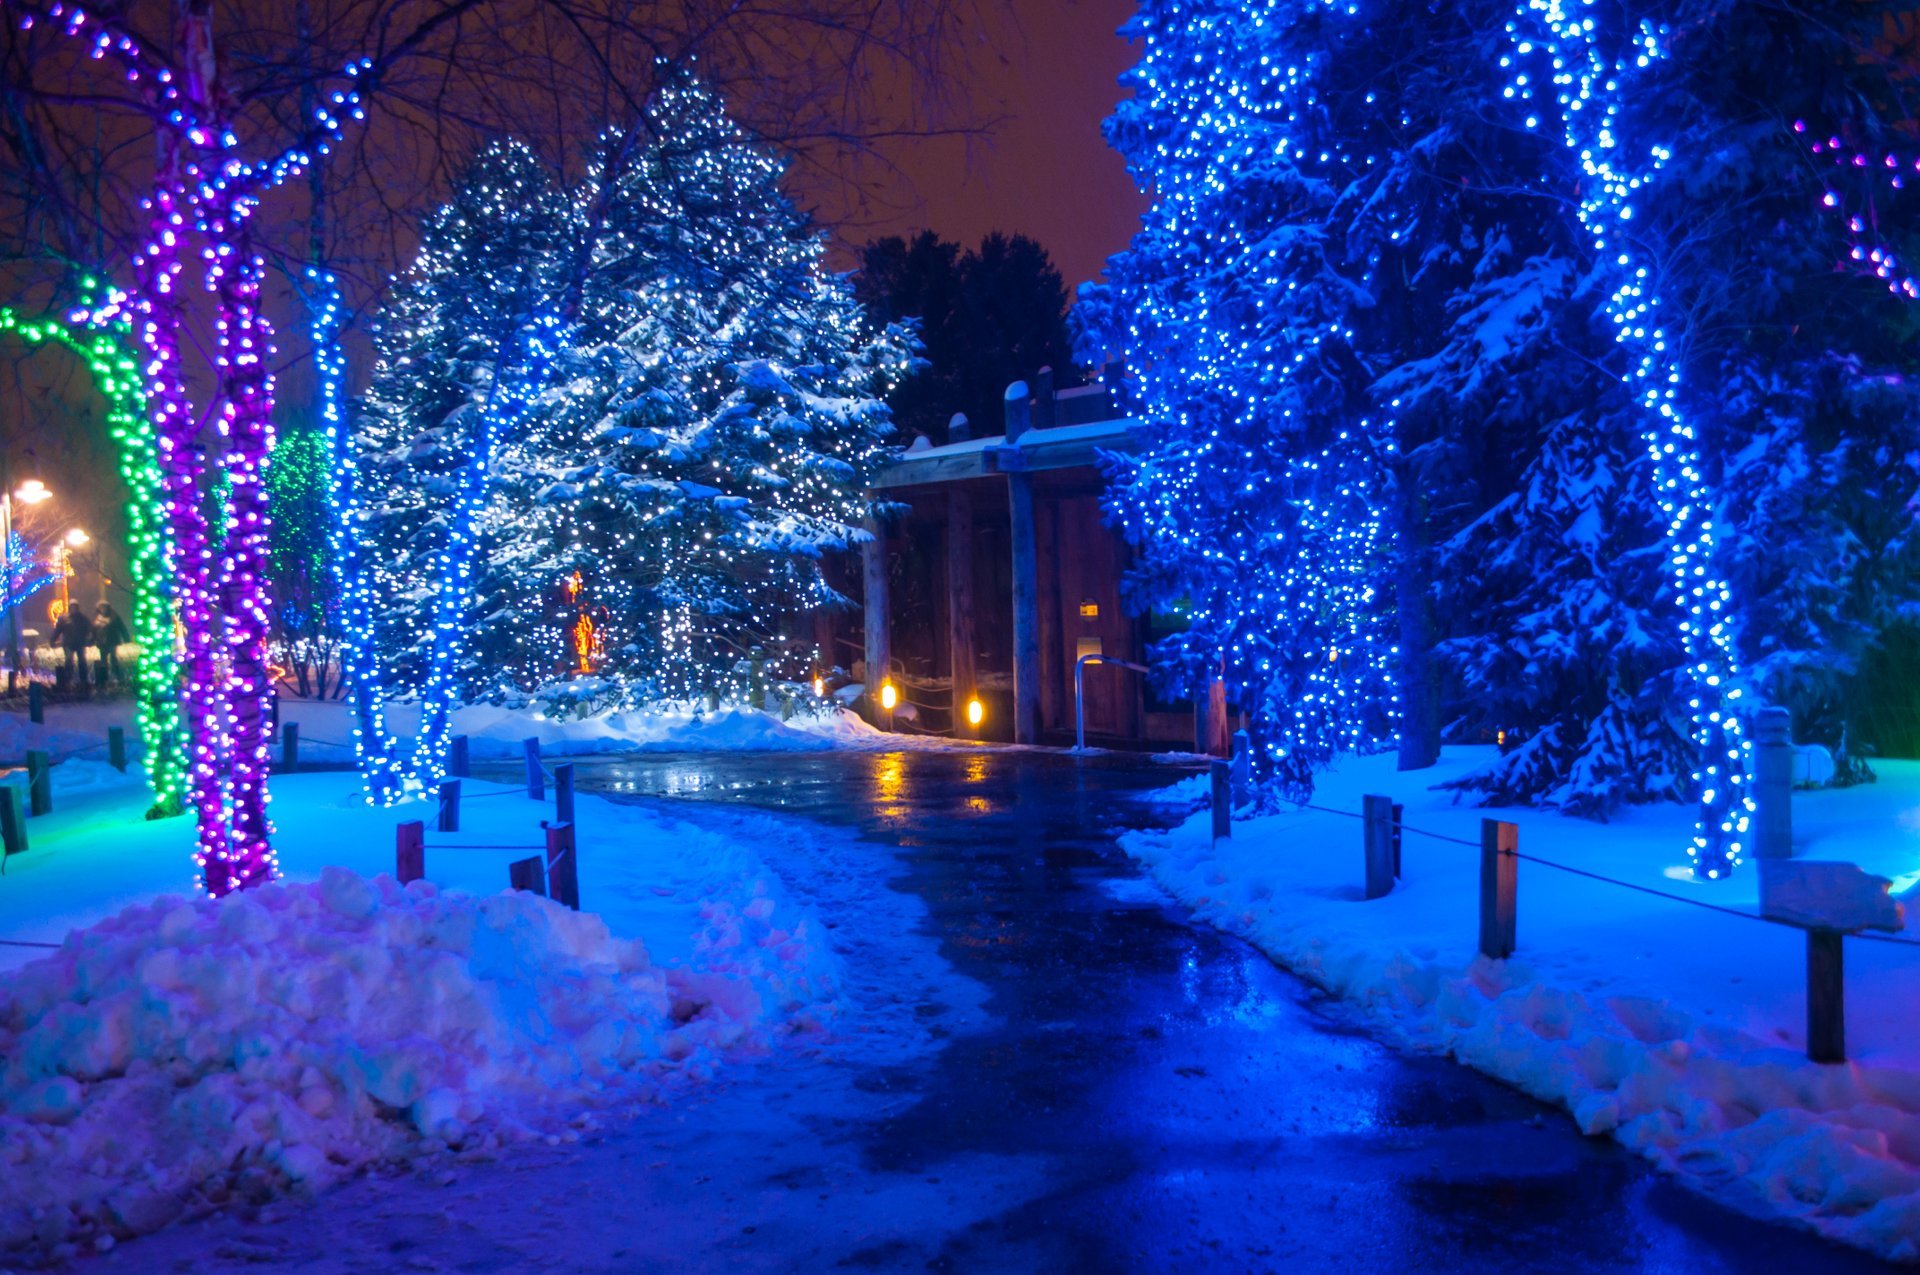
[1258,512]
[1564,62]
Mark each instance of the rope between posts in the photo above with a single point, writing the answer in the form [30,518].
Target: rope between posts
[27,943]
[1404,827]
[1893,939]
[457,845]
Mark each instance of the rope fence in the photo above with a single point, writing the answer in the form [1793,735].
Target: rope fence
[1825,929]
[1604,879]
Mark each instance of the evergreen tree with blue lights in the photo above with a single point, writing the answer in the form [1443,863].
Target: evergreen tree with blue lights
[721,411]
[452,346]
[1258,508]
[1749,264]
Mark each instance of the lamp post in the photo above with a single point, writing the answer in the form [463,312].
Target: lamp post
[75,539]
[30,492]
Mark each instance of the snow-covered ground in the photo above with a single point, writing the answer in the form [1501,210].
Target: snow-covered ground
[1678,1030]
[174,1054]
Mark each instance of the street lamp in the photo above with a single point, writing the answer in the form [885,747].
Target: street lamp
[75,539]
[30,492]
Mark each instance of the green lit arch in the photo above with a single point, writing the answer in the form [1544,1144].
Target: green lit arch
[156,677]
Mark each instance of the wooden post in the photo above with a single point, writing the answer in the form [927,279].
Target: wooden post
[1399,811]
[1242,764]
[963,643]
[410,851]
[13,823]
[1216,744]
[289,747]
[36,704]
[563,868]
[536,778]
[1026,578]
[563,793]
[1222,800]
[528,874]
[39,782]
[1499,882]
[449,820]
[757,678]
[1826,997]
[459,763]
[117,748]
[879,652]
[1377,840]
[1772,784]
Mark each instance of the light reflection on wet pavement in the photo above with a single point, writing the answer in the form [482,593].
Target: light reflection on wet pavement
[1194,1107]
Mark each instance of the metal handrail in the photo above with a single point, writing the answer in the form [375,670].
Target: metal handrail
[1079,691]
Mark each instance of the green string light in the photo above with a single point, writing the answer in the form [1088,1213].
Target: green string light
[110,359]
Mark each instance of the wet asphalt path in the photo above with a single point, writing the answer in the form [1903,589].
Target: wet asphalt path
[1195,1107]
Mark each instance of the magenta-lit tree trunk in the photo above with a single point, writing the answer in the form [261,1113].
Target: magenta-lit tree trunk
[237,591]
[157,324]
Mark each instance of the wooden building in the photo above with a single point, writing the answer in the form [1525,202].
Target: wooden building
[996,572]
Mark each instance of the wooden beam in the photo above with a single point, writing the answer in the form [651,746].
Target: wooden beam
[873,561]
[1026,579]
[962,642]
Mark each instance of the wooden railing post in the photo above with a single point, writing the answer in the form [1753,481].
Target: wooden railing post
[563,793]
[563,865]
[1499,885]
[410,851]
[1222,799]
[289,747]
[536,778]
[1399,813]
[1826,996]
[1376,814]
[39,782]
[1772,784]
[117,748]
[449,820]
[13,823]
[757,678]
[1242,763]
[36,704]
[458,763]
[529,875]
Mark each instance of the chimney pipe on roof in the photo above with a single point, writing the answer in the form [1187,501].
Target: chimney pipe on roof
[1044,414]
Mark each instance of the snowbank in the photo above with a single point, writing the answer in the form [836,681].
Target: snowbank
[185,1053]
[1677,1030]
[497,732]
[175,1053]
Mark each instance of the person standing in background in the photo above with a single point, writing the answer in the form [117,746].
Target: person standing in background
[109,632]
[74,634]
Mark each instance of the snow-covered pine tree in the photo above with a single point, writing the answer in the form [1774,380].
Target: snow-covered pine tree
[1750,180]
[1258,505]
[1794,255]
[457,343]
[720,407]
[1525,554]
